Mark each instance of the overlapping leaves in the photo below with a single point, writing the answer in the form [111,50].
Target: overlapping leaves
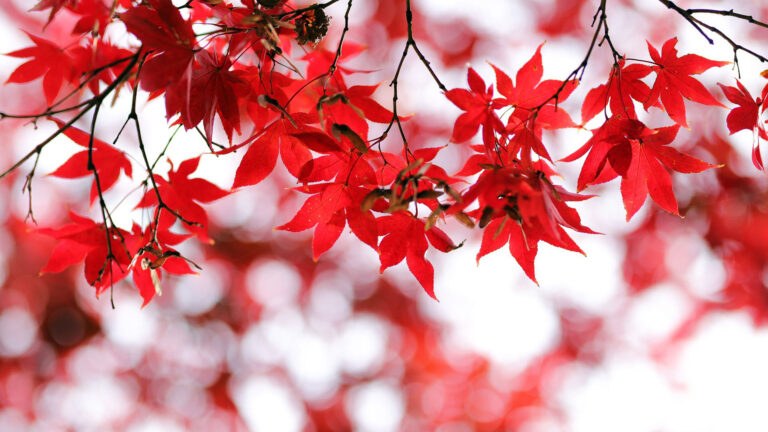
[317,125]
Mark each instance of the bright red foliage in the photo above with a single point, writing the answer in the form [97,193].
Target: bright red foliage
[107,160]
[320,126]
[674,81]
[627,148]
[49,61]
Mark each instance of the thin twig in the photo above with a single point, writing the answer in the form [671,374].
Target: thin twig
[688,15]
[161,205]
[601,18]
[728,13]
[332,68]
[410,42]
[294,13]
[671,5]
[28,187]
[109,224]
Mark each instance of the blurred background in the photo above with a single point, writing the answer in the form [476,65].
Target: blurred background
[661,327]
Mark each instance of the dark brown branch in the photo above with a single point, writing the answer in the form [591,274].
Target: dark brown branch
[332,68]
[410,42]
[205,138]
[95,103]
[28,187]
[735,46]
[294,13]
[688,15]
[600,23]
[109,224]
[37,150]
[161,205]
[165,149]
[694,22]
[728,13]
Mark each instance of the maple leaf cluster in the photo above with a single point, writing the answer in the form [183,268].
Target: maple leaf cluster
[518,203]
[238,73]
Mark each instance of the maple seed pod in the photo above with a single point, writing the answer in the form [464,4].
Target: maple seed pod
[486,216]
[265,102]
[429,194]
[432,219]
[371,198]
[452,192]
[311,26]
[339,130]
[464,219]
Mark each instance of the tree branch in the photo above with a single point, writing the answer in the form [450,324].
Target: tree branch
[695,23]
[728,13]
[294,13]
[601,18]
[332,68]
[410,42]
[688,15]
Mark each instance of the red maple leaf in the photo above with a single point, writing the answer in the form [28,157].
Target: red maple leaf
[260,158]
[674,81]
[84,239]
[48,61]
[353,107]
[623,88]
[331,206]
[361,97]
[521,207]
[214,89]
[523,244]
[278,138]
[405,237]
[97,57]
[626,148]
[529,92]
[409,163]
[54,5]
[210,88]
[162,29]
[95,16]
[535,107]
[183,195]
[345,157]
[107,160]
[319,62]
[480,110]
[746,116]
